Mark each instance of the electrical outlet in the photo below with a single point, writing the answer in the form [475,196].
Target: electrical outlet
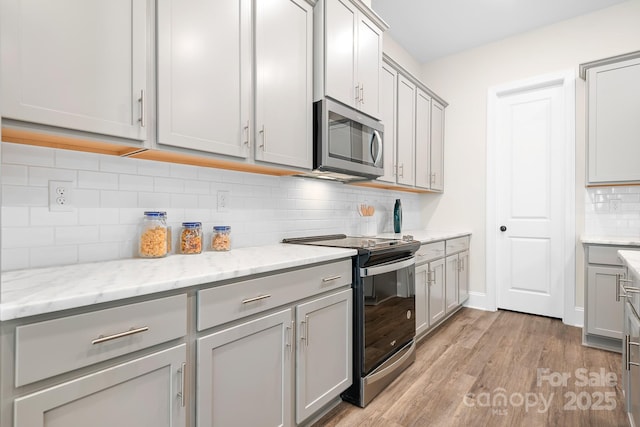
[60,196]
[223,201]
[614,205]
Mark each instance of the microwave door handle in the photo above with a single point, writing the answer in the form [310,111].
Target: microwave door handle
[376,136]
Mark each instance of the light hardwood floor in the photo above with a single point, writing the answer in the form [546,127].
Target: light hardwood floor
[498,369]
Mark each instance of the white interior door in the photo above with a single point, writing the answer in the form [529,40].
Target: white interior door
[530,187]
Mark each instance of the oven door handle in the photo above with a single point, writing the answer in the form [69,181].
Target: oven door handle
[387,267]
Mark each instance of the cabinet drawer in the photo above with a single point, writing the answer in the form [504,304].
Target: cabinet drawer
[430,251]
[606,254]
[225,303]
[61,345]
[457,245]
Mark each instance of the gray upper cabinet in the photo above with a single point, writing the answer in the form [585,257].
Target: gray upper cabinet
[235,79]
[76,64]
[204,75]
[348,54]
[613,125]
[284,89]
[413,119]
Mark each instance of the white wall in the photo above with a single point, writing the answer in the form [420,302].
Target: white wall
[463,80]
[111,194]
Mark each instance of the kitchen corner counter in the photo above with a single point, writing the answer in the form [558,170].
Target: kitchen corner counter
[428,236]
[44,290]
[631,259]
[612,241]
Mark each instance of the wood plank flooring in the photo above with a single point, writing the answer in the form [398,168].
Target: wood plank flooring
[498,369]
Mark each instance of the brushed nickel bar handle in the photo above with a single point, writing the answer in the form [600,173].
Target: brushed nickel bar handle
[289,336]
[332,278]
[254,299]
[618,287]
[141,101]
[629,344]
[630,290]
[182,392]
[626,353]
[131,331]
[247,133]
[264,138]
[306,323]
[358,93]
[362,93]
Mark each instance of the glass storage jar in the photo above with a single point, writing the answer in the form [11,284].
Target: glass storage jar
[153,235]
[221,240]
[191,238]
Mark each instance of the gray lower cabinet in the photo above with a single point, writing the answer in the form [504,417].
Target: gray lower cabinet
[289,363]
[631,364]
[250,362]
[253,361]
[603,310]
[442,281]
[145,392]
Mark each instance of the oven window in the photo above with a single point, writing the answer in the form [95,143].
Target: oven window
[389,306]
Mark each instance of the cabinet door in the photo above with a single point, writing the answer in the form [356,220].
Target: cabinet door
[284,72]
[423,137]
[324,366]
[451,279]
[145,392]
[437,146]
[422,299]
[76,64]
[388,87]
[340,55]
[463,277]
[436,291]
[406,131]
[251,362]
[614,128]
[369,59]
[632,368]
[204,75]
[603,311]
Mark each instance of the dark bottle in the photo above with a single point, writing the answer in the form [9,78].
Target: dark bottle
[397,216]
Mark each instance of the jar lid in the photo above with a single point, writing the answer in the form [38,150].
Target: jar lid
[221,228]
[155,213]
[192,224]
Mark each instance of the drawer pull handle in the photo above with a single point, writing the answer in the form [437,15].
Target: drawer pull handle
[131,331]
[182,392]
[258,298]
[332,278]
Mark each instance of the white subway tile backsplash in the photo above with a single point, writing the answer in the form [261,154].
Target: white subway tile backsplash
[602,219]
[15,216]
[13,195]
[27,155]
[118,199]
[111,194]
[97,180]
[67,159]
[53,255]
[40,177]
[15,175]
[25,237]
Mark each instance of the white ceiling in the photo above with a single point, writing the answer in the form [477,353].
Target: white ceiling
[429,29]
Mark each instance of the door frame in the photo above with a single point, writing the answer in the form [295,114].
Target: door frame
[572,315]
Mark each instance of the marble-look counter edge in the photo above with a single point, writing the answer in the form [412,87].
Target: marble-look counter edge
[428,236]
[610,241]
[44,290]
[631,259]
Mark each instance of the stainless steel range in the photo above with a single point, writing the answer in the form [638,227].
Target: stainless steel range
[383,308]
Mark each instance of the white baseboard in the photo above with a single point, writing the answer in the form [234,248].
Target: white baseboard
[575,317]
[479,301]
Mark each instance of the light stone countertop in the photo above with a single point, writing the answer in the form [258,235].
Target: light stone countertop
[631,260]
[428,236]
[609,240]
[45,290]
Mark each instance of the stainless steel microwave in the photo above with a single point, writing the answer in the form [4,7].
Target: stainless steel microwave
[346,141]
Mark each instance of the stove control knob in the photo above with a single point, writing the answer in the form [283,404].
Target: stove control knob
[372,243]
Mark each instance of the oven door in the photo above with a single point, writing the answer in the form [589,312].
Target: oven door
[389,305]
